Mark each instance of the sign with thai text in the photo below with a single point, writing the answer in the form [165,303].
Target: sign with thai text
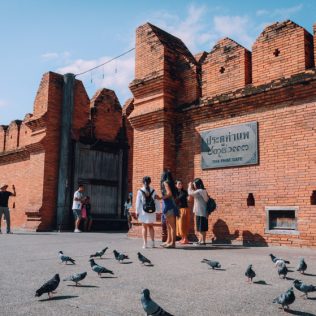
[235,145]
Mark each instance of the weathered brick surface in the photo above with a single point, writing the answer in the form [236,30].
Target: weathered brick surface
[106,114]
[281,97]
[30,159]
[281,50]
[227,67]
[314,31]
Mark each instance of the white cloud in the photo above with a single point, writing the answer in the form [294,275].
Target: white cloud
[280,13]
[115,75]
[53,56]
[3,103]
[235,27]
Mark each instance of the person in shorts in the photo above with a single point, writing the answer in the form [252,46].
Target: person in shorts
[4,209]
[77,206]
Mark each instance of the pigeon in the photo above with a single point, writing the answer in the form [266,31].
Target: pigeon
[302,266]
[150,307]
[299,285]
[212,264]
[143,259]
[65,259]
[119,256]
[99,269]
[250,274]
[275,259]
[282,270]
[99,253]
[76,277]
[49,287]
[286,298]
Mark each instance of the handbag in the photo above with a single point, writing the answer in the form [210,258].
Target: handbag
[83,212]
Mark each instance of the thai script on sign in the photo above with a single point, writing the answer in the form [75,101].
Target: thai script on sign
[233,145]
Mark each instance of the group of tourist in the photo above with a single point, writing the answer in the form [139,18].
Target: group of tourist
[173,203]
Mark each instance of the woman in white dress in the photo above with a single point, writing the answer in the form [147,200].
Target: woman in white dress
[146,207]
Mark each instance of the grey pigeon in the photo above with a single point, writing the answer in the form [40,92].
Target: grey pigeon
[275,259]
[299,285]
[150,307]
[302,266]
[143,259]
[99,253]
[76,277]
[120,257]
[250,274]
[286,298]
[212,264]
[49,287]
[65,259]
[282,270]
[99,269]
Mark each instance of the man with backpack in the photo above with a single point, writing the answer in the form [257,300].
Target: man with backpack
[146,207]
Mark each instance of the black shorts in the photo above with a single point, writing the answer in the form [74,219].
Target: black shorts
[201,223]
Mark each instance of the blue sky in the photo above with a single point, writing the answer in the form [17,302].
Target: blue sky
[75,35]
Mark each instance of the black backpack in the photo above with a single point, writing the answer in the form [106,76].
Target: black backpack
[210,205]
[149,206]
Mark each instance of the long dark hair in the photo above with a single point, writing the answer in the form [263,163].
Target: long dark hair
[166,176]
[198,183]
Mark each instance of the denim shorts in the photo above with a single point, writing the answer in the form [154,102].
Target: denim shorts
[77,214]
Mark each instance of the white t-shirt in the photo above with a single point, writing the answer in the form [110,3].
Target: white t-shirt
[76,205]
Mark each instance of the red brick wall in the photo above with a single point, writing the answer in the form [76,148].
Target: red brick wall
[106,114]
[227,67]
[281,50]
[3,129]
[284,110]
[12,136]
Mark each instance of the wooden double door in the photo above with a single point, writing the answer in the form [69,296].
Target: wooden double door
[100,171]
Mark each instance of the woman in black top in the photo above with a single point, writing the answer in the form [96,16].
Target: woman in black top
[184,220]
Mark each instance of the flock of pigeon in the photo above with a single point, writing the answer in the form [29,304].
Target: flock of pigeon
[152,308]
[287,298]
[149,306]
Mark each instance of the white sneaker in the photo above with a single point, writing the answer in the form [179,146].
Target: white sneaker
[153,244]
[144,246]
[77,231]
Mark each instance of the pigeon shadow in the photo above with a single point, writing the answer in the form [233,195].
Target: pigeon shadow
[288,270]
[126,262]
[261,282]
[312,298]
[87,286]
[294,312]
[58,298]
[108,277]
[290,279]
[309,274]
[148,265]
[217,269]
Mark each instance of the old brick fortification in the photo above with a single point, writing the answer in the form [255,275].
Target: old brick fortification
[29,149]
[178,95]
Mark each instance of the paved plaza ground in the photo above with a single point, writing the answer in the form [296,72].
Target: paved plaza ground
[178,281]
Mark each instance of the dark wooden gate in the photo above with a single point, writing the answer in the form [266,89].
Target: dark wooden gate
[100,170]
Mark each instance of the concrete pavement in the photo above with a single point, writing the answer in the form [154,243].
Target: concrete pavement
[178,281]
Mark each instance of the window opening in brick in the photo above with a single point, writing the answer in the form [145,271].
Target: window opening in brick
[222,70]
[250,200]
[282,220]
[313,198]
[276,52]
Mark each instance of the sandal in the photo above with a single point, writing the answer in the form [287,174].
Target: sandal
[170,246]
